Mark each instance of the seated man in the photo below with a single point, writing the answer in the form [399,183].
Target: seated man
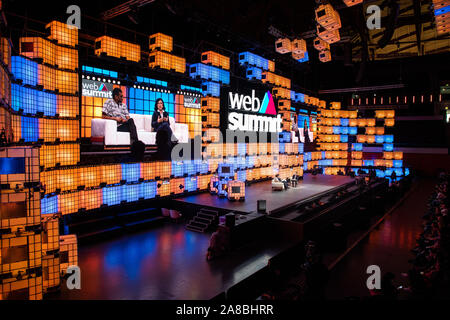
[114,109]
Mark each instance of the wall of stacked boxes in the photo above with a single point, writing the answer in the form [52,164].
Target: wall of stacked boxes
[42,122]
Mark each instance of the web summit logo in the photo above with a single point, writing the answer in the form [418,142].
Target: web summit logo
[96,89]
[263,122]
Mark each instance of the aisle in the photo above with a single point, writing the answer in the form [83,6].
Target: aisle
[389,247]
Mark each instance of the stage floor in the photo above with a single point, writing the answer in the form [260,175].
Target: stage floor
[309,187]
[167,263]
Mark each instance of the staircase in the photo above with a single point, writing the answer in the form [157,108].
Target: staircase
[203,221]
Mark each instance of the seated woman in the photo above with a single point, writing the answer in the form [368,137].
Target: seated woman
[160,121]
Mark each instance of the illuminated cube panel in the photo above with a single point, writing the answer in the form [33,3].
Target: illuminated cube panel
[117,48]
[62,33]
[19,165]
[68,252]
[32,101]
[210,88]
[210,73]
[350,3]
[236,190]
[51,279]
[29,288]
[281,93]
[62,154]
[298,56]
[321,45]
[211,120]
[277,80]
[19,210]
[38,48]
[248,58]
[160,41]
[210,104]
[50,233]
[284,105]
[93,199]
[325,56]
[203,182]
[211,135]
[216,59]
[20,253]
[69,202]
[190,116]
[5,86]
[5,52]
[283,46]
[163,188]
[148,170]
[329,36]
[327,17]
[298,46]
[164,60]
[254,73]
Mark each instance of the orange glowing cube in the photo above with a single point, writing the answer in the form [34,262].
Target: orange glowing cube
[160,41]
[389,122]
[63,33]
[215,59]
[320,44]
[325,56]
[283,45]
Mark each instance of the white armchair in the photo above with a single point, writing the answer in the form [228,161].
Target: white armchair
[277,185]
[108,129]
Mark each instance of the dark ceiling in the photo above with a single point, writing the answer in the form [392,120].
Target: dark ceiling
[228,27]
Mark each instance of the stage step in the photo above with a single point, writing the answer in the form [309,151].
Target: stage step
[203,221]
[192,228]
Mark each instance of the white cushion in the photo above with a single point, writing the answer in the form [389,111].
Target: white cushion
[123,138]
[138,121]
[147,137]
[294,137]
[108,129]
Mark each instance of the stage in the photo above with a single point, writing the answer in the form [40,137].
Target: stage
[169,262]
[309,188]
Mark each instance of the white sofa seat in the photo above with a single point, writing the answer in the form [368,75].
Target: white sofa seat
[302,136]
[108,129]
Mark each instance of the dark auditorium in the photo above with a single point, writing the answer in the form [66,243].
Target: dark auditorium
[191,151]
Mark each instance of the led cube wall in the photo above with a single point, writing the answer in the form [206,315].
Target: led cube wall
[216,59]
[210,73]
[51,279]
[211,89]
[19,210]
[253,73]
[248,58]
[164,60]
[117,48]
[20,252]
[12,289]
[160,41]
[147,190]
[68,252]
[63,33]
